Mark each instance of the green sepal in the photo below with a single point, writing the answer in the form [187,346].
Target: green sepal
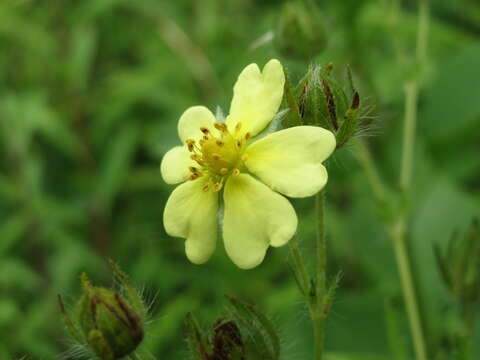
[261,340]
[196,347]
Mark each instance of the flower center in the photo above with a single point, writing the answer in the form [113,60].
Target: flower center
[218,157]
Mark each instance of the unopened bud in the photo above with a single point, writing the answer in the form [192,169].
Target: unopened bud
[109,324]
[108,321]
[323,101]
[300,33]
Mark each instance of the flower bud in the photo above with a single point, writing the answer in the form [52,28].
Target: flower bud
[300,34]
[322,101]
[109,323]
[244,334]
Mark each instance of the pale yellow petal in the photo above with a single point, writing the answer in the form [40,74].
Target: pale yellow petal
[191,213]
[290,160]
[255,218]
[175,164]
[192,120]
[256,97]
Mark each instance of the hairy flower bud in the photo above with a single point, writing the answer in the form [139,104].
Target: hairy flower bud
[300,33]
[108,324]
[320,100]
[111,326]
[244,334]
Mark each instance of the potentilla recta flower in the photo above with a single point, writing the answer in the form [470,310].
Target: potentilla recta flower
[225,158]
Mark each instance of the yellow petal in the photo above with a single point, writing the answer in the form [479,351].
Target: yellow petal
[290,160]
[192,120]
[175,164]
[256,97]
[191,213]
[255,218]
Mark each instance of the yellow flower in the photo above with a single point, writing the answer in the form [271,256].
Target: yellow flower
[216,156]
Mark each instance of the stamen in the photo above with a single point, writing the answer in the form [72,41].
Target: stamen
[206,187]
[204,130]
[238,127]
[220,126]
[220,143]
[223,171]
[235,172]
[205,137]
[216,156]
[239,143]
[193,169]
[190,144]
[198,159]
[248,136]
[194,177]
[217,187]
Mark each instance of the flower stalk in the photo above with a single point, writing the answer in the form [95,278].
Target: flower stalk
[398,228]
[321,270]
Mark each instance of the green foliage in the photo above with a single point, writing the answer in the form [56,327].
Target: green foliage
[90,93]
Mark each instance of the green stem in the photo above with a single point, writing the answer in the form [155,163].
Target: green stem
[409,294]
[321,250]
[366,160]
[321,270]
[300,269]
[398,232]
[318,334]
[411,100]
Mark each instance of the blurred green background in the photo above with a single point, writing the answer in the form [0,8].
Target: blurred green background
[90,93]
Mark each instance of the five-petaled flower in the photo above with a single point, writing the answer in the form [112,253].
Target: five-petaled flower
[217,155]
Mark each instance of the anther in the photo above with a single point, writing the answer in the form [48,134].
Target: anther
[220,126]
[220,143]
[223,171]
[193,177]
[248,136]
[239,143]
[193,169]
[235,172]
[190,144]
[206,187]
[205,137]
[216,156]
[204,130]
[197,158]
[217,187]
[238,126]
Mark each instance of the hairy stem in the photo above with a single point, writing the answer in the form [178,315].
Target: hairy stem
[409,294]
[299,266]
[399,231]
[321,270]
